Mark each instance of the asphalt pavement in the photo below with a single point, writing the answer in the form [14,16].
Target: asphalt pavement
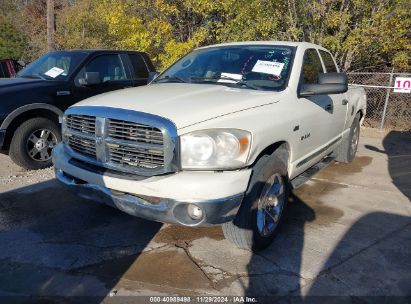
[347,232]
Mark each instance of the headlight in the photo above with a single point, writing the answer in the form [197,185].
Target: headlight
[215,149]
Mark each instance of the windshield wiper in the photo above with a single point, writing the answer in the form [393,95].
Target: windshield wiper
[170,78]
[35,76]
[236,81]
[242,83]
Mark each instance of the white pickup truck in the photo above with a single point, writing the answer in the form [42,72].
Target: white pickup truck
[220,137]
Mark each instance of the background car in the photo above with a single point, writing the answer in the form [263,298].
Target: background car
[32,104]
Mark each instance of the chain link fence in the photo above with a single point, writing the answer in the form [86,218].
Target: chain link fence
[385,108]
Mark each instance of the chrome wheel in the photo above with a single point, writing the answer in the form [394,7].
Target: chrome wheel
[270,205]
[355,139]
[40,143]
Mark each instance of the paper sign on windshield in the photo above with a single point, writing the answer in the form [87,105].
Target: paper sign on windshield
[268,67]
[54,72]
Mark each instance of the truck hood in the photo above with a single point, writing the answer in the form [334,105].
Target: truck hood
[10,82]
[185,104]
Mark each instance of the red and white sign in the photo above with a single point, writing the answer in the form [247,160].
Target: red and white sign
[402,85]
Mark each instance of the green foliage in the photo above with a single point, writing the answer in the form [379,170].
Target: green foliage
[360,33]
[13,41]
[82,26]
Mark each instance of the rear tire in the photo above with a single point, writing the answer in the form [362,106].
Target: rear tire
[263,204]
[348,148]
[32,143]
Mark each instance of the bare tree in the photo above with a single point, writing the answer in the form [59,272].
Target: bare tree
[50,25]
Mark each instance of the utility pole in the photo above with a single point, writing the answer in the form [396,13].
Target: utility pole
[50,25]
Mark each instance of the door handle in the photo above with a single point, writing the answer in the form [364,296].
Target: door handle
[328,107]
[344,102]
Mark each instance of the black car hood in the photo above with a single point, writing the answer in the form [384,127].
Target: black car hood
[10,82]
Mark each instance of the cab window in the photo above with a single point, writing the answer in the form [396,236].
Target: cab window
[109,67]
[3,70]
[139,66]
[328,61]
[312,67]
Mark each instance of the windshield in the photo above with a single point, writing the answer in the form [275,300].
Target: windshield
[53,66]
[246,66]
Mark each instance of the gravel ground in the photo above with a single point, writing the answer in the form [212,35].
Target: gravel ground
[12,176]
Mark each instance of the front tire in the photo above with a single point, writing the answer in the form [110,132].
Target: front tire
[32,143]
[348,148]
[261,212]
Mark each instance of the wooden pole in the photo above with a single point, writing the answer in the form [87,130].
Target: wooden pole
[50,25]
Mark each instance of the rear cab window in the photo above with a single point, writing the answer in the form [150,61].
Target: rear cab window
[139,67]
[4,72]
[1,70]
[328,62]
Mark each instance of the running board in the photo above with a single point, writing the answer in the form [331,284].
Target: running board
[300,180]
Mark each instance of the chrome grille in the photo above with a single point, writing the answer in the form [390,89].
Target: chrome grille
[136,157]
[127,141]
[81,123]
[125,130]
[136,145]
[83,145]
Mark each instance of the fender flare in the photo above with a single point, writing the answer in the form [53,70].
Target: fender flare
[32,106]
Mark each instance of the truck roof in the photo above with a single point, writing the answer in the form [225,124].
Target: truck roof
[286,43]
[102,51]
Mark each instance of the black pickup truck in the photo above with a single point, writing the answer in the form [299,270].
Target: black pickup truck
[32,104]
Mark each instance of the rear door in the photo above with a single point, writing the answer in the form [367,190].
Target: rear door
[114,75]
[340,102]
[316,118]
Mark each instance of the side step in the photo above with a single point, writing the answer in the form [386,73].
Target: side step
[300,180]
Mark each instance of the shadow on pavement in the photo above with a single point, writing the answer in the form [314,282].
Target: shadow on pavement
[53,243]
[397,147]
[377,247]
[370,264]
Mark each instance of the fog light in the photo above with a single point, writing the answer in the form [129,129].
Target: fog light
[194,212]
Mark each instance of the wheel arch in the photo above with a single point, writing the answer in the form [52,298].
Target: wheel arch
[282,149]
[362,116]
[18,116]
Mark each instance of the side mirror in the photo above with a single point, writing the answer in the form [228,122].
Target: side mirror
[92,78]
[152,76]
[328,83]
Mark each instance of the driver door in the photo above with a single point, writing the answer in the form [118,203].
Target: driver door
[113,76]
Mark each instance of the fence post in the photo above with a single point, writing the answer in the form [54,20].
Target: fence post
[387,97]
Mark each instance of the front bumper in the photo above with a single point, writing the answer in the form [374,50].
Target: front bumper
[160,198]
